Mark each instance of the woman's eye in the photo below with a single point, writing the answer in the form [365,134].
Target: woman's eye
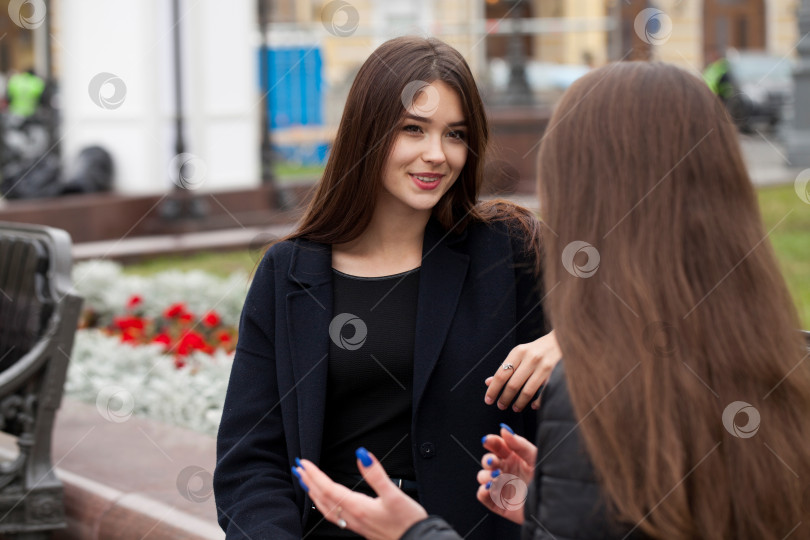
[460,135]
[411,128]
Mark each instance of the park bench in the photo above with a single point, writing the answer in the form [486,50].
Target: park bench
[38,318]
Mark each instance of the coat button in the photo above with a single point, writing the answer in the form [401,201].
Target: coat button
[427,450]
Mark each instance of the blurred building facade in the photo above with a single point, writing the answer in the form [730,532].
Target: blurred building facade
[115,70]
[118,78]
[123,51]
[561,38]
[555,31]
[701,27]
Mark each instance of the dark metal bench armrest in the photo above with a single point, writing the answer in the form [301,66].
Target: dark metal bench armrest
[59,335]
[42,315]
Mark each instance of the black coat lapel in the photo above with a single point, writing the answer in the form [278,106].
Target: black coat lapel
[309,311]
[440,284]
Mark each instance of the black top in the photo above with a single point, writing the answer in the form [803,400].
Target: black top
[369,397]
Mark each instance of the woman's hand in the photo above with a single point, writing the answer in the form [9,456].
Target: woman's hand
[531,365]
[510,463]
[385,517]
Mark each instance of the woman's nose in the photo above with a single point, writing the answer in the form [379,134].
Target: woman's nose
[434,151]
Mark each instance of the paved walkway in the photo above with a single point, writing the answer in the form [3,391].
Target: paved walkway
[766,157]
[131,479]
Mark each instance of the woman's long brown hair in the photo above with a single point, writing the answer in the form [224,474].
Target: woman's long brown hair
[686,314]
[344,199]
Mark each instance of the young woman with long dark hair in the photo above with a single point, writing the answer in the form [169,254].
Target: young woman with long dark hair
[682,407]
[379,321]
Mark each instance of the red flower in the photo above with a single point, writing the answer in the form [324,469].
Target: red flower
[175,310]
[128,323]
[173,330]
[211,319]
[191,341]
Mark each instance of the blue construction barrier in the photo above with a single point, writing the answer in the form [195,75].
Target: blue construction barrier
[296,98]
[303,154]
[296,86]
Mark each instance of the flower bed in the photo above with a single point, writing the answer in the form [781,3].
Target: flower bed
[157,346]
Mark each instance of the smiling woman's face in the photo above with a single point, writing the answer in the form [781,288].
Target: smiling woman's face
[429,152]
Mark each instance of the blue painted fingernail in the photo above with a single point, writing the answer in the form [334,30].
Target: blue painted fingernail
[489,484]
[484,439]
[507,428]
[489,461]
[298,462]
[298,475]
[496,473]
[362,455]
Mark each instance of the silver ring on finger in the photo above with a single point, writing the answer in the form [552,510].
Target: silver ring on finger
[340,521]
[508,367]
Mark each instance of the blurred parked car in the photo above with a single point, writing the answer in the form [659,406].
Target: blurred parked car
[763,88]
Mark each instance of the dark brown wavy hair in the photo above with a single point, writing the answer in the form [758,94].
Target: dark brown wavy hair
[686,314]
[344,199]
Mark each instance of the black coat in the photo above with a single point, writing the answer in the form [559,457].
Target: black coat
[565,501]
[476,302]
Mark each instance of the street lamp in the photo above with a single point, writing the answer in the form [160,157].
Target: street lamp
[799,140]
[518,91]
[53,116]
[179,204]
[268,178]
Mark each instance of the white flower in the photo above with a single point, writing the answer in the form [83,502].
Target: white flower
[106,291]
[190,397]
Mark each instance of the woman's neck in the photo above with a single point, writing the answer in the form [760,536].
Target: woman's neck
[391,244]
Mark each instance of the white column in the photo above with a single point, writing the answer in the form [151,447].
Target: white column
[130,112]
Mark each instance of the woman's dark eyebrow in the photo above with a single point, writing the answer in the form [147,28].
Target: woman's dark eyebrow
[429,121]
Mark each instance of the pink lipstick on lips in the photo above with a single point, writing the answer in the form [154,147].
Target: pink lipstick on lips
[426,181]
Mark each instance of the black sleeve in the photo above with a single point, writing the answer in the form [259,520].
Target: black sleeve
[253,485]
[531,321]
[529,315]
[431,528]
[565,499]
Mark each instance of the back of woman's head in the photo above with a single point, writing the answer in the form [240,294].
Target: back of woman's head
[390,81]
[670,309]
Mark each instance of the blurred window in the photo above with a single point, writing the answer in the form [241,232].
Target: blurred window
[499,10]
[280,10]
[737,24]
[401,17]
